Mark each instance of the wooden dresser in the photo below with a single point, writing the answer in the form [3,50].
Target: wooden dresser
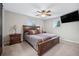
[15,38]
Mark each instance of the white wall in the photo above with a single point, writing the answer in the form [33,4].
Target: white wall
[11,19]
[67,31]
[48,25]
[70,31]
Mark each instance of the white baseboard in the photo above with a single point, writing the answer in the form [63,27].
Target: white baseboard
[71,41]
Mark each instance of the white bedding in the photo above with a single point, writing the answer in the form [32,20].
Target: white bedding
[33,39]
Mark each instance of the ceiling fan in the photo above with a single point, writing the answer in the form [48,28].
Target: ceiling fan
[44,13]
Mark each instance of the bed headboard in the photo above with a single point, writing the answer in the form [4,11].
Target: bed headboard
[26,28]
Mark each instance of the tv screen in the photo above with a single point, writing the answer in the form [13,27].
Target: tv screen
[74,16]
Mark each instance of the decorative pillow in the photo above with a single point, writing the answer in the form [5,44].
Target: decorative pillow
[26,33]
[38,30]
[32,32]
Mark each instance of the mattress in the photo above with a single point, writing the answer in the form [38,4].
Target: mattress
[33,39]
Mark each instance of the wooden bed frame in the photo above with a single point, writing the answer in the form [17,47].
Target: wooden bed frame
[43,46]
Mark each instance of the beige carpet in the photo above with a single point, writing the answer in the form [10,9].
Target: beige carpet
[24,49]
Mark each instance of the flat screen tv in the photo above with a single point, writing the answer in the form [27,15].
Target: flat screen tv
[73,16]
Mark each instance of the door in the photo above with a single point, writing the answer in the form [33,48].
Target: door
[0,28]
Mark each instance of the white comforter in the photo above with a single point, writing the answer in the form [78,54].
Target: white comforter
[33,39]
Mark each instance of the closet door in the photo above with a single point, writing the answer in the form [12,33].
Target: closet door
[0,28]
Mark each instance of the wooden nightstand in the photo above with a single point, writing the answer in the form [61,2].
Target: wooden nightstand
[15,38]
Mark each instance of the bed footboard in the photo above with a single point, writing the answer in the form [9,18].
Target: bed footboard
[46,45]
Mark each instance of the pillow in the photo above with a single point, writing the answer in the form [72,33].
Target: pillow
[38,31]
[26,33]
[32,32]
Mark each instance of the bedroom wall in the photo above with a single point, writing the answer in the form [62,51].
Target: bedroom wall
[70,31]
[11,19]
[48,25]
[67,31]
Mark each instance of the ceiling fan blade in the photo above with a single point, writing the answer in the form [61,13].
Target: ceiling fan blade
[43,11]
[38,11]
[48,11]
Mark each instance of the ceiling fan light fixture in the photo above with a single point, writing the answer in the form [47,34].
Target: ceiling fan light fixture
[43,15]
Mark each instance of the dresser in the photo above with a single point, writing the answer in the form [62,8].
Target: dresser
[15,38]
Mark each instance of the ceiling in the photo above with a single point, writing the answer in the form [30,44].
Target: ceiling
[30,9]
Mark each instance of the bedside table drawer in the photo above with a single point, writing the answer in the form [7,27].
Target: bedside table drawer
[15,38]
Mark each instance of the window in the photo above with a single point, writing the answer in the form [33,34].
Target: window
[56,23]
